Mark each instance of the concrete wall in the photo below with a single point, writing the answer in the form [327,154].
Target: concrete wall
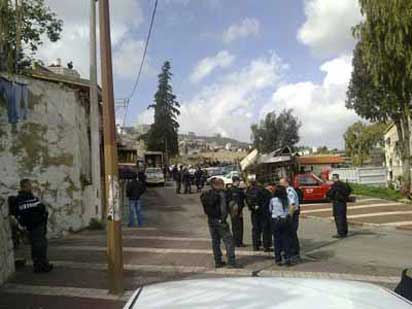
[52,147]
[371,176]
[6,244]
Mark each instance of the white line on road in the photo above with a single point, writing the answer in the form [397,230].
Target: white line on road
[399,223]
[329,203]
[63,291]
[129,237]
[236,272]
[137,229]
[380,214]
[160,250]
[353,207]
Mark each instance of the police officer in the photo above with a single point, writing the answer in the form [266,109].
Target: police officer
[294,211]
[236,200]
[339,194]
[178,179]
[32,214]
[199,179]
[187,181]
[257,199]
[215,207]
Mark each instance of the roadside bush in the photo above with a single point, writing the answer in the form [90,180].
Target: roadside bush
[95,224]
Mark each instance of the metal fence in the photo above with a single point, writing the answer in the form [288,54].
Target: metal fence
[372,176]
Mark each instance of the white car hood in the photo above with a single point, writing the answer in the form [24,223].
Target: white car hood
[276,293]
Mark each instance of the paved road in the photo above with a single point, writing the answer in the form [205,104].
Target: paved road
[368,211]
[175,245]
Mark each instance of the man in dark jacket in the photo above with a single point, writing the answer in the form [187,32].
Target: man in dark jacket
[134,191]
[31,214]
[215,207]
[236,200]
[339,195]
[258,199]
[178,179]
[199,179]
[187,181]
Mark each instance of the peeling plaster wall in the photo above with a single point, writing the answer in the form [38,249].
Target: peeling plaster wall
[52,147]
[6,244]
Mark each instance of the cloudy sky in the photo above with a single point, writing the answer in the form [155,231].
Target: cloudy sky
[233,60]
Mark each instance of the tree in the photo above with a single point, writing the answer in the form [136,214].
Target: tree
[381,84]
[35,21]
[276,131]
[361,139]
[163,134]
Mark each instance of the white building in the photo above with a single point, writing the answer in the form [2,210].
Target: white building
[392,157]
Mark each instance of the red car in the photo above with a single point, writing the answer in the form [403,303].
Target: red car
[311,187]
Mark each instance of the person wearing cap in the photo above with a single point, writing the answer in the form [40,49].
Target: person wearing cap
[339,195]
[236,202]
[258,199]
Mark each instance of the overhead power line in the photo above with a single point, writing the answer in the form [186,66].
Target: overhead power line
[144,52]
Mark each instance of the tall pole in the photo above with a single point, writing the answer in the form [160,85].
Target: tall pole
[94,115]
[114,238]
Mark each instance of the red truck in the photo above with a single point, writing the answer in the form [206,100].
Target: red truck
[311,187]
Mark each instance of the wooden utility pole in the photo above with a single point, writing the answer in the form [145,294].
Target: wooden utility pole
[94,121]
[114,236]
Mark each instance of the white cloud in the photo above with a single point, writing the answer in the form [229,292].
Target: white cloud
[328,26]
[247,27]
[207,65]
[320,107]
[126,15]
[227,106]
[127,58]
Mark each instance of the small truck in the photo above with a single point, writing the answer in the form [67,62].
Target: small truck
[311,187]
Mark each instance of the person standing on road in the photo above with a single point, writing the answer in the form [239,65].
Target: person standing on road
[281,226]
[339,195]
[31,213]
[199,179]
[215,206]
[187,181]
[134,190]
[258,199]
[236,200]
[294,211]
[179,177]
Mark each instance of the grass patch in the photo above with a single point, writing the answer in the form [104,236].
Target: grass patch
[378,192]
[95,224]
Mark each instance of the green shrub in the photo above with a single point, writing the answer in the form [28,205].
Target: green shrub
[96,224]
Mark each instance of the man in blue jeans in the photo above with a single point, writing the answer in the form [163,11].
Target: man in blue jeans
[134,191]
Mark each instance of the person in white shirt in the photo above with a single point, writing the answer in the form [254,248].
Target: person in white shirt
[281,225]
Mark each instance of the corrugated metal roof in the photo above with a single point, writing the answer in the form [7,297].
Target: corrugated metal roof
[320,159]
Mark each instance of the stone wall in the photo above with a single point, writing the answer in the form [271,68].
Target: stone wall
[6,244]
[52,148]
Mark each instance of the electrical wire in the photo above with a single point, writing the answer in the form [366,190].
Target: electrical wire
[144,52]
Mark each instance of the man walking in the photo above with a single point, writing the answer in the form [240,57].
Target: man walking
[199,179]
[31,214]
[134,191]
[339,195]
[215,207]
[236,201]
[187,181]
[178,179]
[294,211]
[258,199]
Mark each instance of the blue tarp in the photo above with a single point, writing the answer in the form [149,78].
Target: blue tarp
[16,96]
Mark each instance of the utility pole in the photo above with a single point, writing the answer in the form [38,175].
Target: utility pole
[94,115]
[114,237]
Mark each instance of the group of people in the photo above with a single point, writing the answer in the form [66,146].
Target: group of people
[274,214]
[275,211]
[182,176]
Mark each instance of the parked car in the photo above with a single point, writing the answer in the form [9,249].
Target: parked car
[155,176]
[226,178]
[279,293]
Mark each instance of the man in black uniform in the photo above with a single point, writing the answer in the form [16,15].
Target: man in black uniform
[339,195]
[236,200]
[32,215]
[215,207]
[258,199]
[199,179]
[179,176]
[187,181]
